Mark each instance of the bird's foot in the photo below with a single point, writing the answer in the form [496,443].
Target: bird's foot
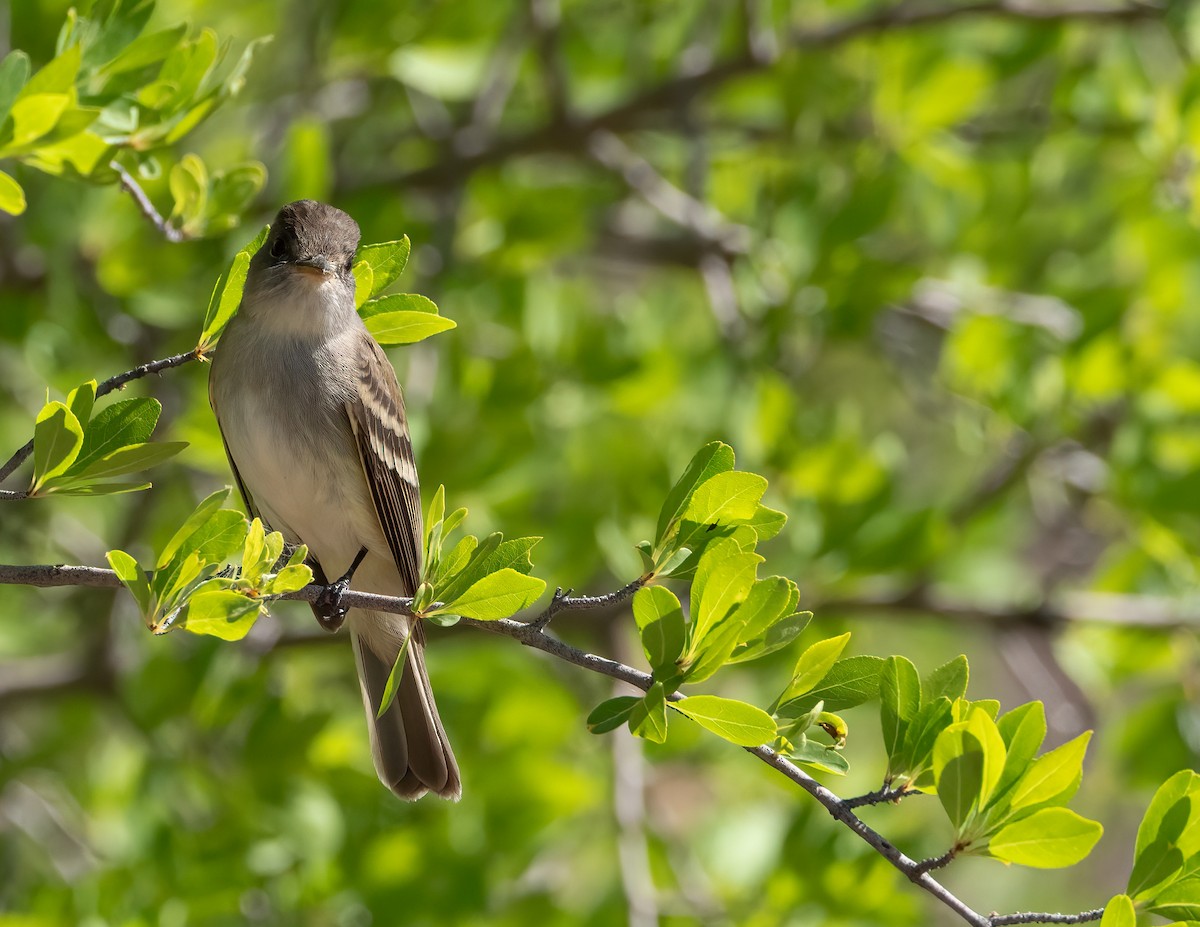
[328,608]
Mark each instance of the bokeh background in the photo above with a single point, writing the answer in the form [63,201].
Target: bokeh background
[932,272]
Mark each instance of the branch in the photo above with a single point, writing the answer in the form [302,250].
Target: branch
[880,796]
[102,389]
[564,601]
[531,635]
[131,186]
[453,165]
[1083,917]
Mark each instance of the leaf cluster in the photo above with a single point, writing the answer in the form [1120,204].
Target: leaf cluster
[215,575]
[114,90]
[78,454]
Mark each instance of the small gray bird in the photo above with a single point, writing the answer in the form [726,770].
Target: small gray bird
[313,422]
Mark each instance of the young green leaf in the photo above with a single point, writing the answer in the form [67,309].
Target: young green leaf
[710,460]
[1023,730]
[221,613]
[899,700]
[398,302]
[736,722]
[227,294]
[395,676]
[611,714]
[80,401]
[497,595]
[949,679]
[849,683]
[766,522]
[131,575]
[119,425]
[1048,839]
[1053,777]
[959,776]
[768,601]
[722,581]
[1119,912]
[199,516]
[1179,901]
[820,756]
[128,459]
[659,618]
[12,195]
[648,716]
[778,636]
[57,438]
[387,261]
[407,327]
[725,498]
[813,666]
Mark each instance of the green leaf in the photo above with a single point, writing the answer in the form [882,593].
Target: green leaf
[394,677]
[1053,777]
[14,72]
[406,327]
[726,497]
[899,699]
[778,636]
[959,775]
[201,514]
[119,425]
[722,581]
[12,197]
[917,753]
[57,438]
[1119,912]
[131,575]
[80,401]
[611,714]
[1180,901]
[364,281]
[510,554]
[821,756]
[497,595]
[769,600]
[253,549]
[1161,820]
[736,722]
[227,294]
[669,565]
[58,76]
[129,459]
[767,523]
[659,618]
[710,460]
[387,261]
[849,683]
[289,579]
[814,664]
[145,50]
[1023,730]
[1048,839]
[33,117]
[648,717]
[949,679]
[222,613]
[188,183]
[981,725]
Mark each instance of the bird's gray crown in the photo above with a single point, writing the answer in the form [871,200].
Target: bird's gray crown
[309,232]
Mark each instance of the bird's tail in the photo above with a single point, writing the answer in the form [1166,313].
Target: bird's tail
[408,743]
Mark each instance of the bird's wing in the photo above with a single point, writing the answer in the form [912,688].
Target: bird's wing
[247,499]
[377,418]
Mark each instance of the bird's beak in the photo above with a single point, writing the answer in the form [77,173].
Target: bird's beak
[317,266]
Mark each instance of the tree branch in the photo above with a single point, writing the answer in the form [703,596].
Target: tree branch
[880,796]
[531,635]
[453,165]
[134,189]
[1083,917]
[102,389]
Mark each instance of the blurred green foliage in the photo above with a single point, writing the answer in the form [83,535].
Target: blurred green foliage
[934,281]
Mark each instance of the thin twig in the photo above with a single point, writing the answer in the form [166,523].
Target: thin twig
[134,189]
[102,389]
[938,862]
[564,601]
[530,635]
[881,796]
[1032,917]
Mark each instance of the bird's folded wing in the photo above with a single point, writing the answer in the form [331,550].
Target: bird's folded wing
[380,429]
[247,499]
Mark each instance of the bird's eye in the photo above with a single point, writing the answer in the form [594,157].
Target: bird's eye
[349,265]
[278,247]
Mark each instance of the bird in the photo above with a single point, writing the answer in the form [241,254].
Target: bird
[313,422]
